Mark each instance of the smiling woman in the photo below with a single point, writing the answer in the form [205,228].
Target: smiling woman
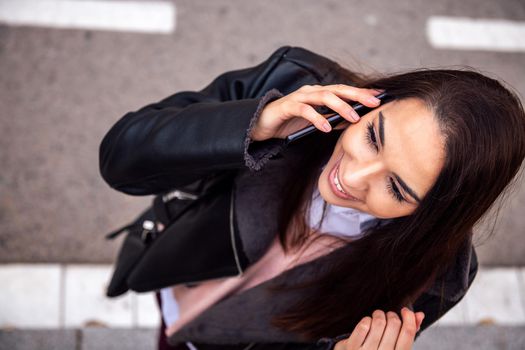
[399,190]
[386,181]
[416,163]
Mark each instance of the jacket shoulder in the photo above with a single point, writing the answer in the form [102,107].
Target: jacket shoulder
[309,59]
[316,64]
[455,282]
[450,288]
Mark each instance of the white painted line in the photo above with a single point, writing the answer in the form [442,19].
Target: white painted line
[494,297]
[456,316]
[86,301]
[148,314]
[136,16]
[29,296]
[521,291]
[465,33]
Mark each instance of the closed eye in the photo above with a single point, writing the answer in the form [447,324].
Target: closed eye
[371,136]
[391,186]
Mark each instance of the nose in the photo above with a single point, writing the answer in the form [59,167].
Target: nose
[360,176]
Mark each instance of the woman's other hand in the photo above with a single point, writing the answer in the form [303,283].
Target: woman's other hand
[384,332]
[294,111]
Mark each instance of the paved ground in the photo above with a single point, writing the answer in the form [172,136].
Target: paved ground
[434,338]
[73,296]
[62,89]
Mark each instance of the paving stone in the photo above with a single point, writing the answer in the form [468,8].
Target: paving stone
[24,339]
[86,302]
[30,295]
[148,313]
[521,290]
[516,338]
[494,297]
[50,186]
[118,339]
[472,338]
[455,316]
[434,338]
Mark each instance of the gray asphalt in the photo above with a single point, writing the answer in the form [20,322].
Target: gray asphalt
[434,338]
[62,89]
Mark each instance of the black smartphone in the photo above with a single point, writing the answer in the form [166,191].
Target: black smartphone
[336,119]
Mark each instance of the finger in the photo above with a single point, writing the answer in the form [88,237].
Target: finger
[309,113]
[408,330]
[376,331]
[328,98]
[359,333]
[419,319]
[393,325]
[364,96]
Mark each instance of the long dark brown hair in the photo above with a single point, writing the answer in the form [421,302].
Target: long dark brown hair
[483,123]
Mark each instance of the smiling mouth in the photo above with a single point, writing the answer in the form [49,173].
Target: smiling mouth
[335,185]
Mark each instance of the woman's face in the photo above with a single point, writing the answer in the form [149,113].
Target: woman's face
[387,161]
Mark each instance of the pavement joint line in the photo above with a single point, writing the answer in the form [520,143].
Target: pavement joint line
[466,318]
[465,33]
[134,311]
[521,287]
[123,312]
[62,298]
[127,16]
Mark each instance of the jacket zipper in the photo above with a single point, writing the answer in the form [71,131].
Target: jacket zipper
[232,235]
[178,194]
[185,195]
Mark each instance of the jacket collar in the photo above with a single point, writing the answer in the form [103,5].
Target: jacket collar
[246,317]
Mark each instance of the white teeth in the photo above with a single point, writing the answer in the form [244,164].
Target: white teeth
[337,184]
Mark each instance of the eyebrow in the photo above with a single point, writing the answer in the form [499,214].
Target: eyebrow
[403,184]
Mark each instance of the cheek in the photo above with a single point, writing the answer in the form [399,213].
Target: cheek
[382,206]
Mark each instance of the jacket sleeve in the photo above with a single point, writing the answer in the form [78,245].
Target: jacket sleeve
[190,134]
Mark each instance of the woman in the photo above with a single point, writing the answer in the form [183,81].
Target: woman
[425,166]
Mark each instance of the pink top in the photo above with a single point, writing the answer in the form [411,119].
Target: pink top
[194,300]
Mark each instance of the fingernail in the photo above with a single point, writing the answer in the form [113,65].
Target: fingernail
[373,100]
[354,115]
[326,126]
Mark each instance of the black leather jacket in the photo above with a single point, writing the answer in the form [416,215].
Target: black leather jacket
[212,186]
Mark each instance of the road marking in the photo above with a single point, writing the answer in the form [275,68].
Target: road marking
[135,16]
[465,33]
[494,295]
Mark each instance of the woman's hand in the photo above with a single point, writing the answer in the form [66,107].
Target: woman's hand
[384,333]
[294,111]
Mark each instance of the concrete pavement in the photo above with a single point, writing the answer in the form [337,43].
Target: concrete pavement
[62,89]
